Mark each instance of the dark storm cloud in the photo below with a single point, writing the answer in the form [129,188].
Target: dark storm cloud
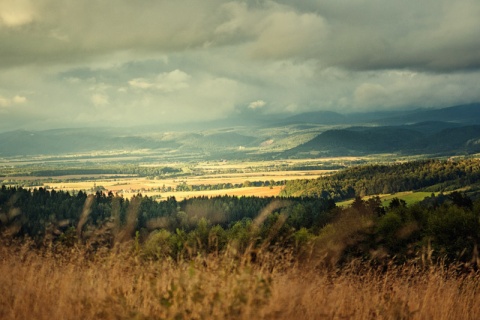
[136,61]
[440,35]
[431,35]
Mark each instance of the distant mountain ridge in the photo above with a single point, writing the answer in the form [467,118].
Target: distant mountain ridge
[60,141]
[464,114]
[452,130]
[391,139]
[360,140]
[467,114]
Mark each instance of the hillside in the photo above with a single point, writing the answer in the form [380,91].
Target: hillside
[360,140]
[466,114]
[447,131]
[424,138]
[428,175]
[62,141]
[461,139]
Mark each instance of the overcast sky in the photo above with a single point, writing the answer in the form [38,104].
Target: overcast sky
[74,63]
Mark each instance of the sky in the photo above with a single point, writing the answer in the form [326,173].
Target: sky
[70,63]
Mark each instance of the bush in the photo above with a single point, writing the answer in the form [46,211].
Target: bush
[454,232]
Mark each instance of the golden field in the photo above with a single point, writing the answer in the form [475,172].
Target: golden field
[129,187]
[120,284]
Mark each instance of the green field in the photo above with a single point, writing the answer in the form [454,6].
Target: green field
[409,197]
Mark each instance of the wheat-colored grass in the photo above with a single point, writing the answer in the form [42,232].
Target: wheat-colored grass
[403,293]
[73,283]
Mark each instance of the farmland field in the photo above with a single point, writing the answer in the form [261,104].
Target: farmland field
[261,178]
[152,187]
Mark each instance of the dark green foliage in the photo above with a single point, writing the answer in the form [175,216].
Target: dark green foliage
[106,170]
[183,186]
[40,213]
[449,225]
[397,203]
[431,175]
[451,228]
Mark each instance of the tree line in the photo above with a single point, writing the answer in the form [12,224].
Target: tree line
[445,227]
[183,186]
[429,175]
[35,213]
[135,170]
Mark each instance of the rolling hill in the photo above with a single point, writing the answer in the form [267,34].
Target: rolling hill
[453,130]
[405,140]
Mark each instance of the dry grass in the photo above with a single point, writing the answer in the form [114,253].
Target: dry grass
[119,284]
[399,293]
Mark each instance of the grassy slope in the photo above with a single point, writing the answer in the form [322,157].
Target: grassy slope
[409,197]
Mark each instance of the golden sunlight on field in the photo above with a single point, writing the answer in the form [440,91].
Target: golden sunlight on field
[166,187]
[248,191]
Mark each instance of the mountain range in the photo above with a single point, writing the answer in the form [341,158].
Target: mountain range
[446,131]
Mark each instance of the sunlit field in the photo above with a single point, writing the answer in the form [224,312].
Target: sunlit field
[130,186]
[409,197]
[239,192]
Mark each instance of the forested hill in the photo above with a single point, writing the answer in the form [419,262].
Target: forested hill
[428,175]
[410,139]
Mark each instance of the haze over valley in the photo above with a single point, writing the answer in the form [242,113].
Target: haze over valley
[432,132]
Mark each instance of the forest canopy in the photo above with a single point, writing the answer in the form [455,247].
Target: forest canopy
[426,175]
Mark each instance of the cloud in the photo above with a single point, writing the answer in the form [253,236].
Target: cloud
[257,104]
[140,83]
[174,61]
[434,36]
[409,90]
[289,34]
[370,95]
[4,102]
[19,100]
[72,31]
[16,100]
[431,35]
[16,13]
[100,100]
[167,81]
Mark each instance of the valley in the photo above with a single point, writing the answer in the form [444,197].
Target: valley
[190,179]
[425,133]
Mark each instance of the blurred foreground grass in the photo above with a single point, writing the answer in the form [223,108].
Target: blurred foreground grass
[120,283]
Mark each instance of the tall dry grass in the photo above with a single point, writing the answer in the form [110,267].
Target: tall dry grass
[118,284]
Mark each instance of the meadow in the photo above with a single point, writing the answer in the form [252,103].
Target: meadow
[287,259]
[120,284]
[410,197]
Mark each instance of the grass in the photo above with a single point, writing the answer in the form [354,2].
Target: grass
[73,283]
[410,197]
